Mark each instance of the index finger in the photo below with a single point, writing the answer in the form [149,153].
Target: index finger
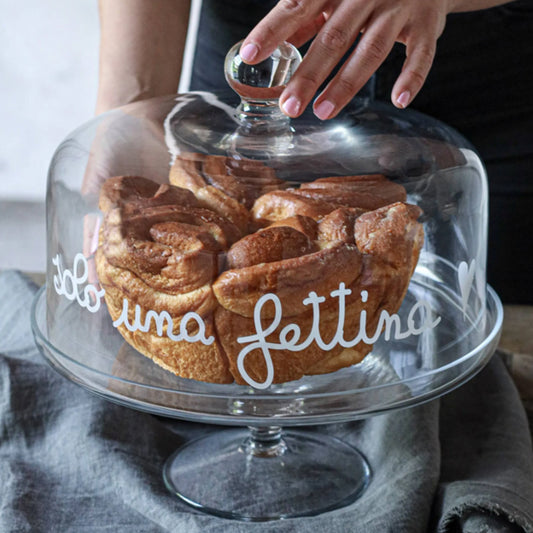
[284,20]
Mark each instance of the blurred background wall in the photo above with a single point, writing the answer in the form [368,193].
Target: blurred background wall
[48,80]
[48,83]
[48,73]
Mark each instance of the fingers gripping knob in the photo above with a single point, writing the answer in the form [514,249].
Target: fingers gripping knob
[265,80]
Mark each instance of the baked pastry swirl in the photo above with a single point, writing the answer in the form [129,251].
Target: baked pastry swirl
[227,186]
[375,252]
[161,252]
[318,198]
[227,237]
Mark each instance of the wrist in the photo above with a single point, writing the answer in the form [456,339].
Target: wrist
[116,90]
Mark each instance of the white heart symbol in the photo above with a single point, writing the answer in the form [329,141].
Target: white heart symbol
[465,274]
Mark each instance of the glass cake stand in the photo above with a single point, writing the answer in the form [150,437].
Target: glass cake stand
[445,331]
[292,472]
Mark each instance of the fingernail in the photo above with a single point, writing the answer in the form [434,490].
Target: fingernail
[249,52]
[324,109]
[403,99]
[291,106]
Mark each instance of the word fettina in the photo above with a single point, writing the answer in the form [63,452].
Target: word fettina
[419,318]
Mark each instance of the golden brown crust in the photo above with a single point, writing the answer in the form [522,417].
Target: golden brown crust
[239,290]
[268,246]
[280,205]
[138,242]
[136,192]
[243,180]
[370,191]
[226,206]
[160,253]
[338,226]
[189,360]
[238,235]
[305,225]
[389,241]
[392,233]
[322,196]
[200,300]
[292,364]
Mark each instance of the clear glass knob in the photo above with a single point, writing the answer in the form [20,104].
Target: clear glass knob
[263,127]
[265,81]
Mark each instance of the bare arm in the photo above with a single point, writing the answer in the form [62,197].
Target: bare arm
[141,49]
[334,25]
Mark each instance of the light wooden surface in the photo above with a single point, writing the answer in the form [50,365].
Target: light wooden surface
[516,344]
[517,334]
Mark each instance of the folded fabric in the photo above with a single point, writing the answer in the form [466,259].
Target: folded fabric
[71,461]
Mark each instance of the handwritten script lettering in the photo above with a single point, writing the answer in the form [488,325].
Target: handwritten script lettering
[419,318]
[159,320]
[290,335]
[68,283]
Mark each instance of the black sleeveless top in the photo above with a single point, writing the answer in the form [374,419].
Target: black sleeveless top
[481,83]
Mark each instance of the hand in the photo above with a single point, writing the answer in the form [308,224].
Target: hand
[335,25]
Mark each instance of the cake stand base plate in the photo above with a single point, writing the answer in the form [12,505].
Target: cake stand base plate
[266,474]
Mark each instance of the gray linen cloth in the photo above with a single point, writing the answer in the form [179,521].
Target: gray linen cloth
[73,462]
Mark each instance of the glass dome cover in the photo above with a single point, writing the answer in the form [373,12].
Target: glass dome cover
[271,267]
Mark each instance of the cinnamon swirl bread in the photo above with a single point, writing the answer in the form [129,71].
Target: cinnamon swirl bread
[232,244]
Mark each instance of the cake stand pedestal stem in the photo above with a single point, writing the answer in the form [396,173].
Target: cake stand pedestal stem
[265,442]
